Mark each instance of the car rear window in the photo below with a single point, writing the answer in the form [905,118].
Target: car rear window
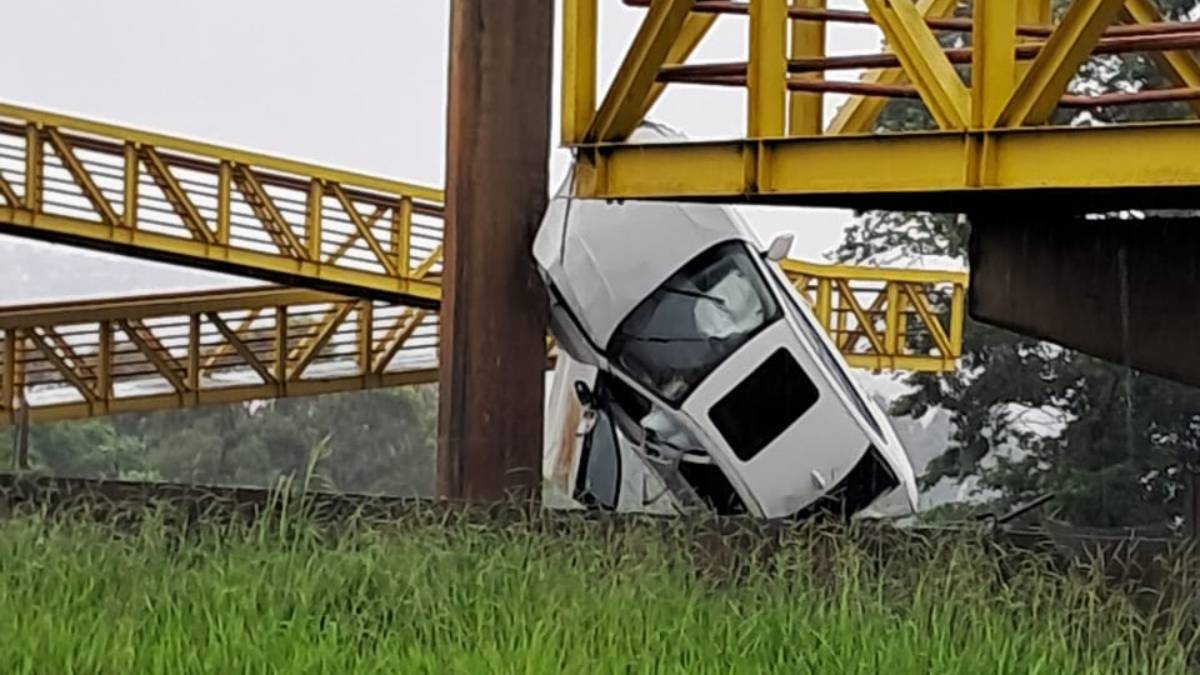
[764,404]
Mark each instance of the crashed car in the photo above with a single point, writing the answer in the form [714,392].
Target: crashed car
[692,373]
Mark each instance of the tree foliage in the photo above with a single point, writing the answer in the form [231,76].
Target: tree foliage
[378,442]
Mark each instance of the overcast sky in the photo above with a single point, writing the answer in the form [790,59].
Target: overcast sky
[358,84]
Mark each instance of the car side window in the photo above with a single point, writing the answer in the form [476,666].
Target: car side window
[599,481]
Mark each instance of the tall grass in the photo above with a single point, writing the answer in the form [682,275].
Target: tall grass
[448,596]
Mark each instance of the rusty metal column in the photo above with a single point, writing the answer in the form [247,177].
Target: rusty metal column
[493,316]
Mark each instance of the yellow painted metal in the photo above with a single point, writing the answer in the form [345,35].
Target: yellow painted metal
[178,350]
[1034,12]
[401,234]
[949,171]
[185,349]
[695,27]
[805,109]
[1039,91]
[993,71]
[268,218]
[883,319]
[985,150]
[622,108]
[579,68]
[921,56]
[767,69]
[129,214]
[202,149]
[858,114]
[1181,66]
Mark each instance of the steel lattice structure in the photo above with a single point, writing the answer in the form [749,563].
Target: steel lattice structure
[992,102]
[68,360]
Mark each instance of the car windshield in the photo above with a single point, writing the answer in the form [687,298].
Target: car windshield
[690,324]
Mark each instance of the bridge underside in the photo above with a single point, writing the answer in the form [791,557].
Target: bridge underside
[1124,290]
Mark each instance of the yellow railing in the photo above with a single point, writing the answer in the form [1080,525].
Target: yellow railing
[992,103]
[887,319]
[155,196]
[89,358]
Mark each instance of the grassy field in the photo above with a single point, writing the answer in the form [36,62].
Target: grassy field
[431,596]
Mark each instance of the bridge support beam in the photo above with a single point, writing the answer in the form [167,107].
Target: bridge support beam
[1126,291]
[493,322]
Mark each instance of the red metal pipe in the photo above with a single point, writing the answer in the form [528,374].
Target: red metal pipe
[956,24]
[1117,45]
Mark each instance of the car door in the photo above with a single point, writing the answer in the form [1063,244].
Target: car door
[777,423]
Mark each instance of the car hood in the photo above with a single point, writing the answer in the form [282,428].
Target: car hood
[604,258]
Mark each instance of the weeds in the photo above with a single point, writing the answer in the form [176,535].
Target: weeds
[442,593]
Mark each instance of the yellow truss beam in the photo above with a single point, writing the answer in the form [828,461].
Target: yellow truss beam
[252,228]
[119,347]
[1040,90]
[1181,65]
[938,171]
[984,152]
[859,113]
[921,57]
[118,350]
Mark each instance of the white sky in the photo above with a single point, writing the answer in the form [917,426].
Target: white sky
[357,84]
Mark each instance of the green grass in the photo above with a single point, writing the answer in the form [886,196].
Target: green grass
[431,596]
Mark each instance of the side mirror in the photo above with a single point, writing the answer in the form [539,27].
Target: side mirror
[780,247]
[585,395]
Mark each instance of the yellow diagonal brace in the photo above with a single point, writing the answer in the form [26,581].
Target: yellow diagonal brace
[993,71]
[936,331]
[220,350]
[6,191]
[268,216]
[414,319]
[923,60]
[337,316]
[68,353]
[695,27]
[850,338]
[621,111]
[81,177]
[865,324]
[1180,66]
[423,269]
[351,238]
[164,363]
[176,197]
[1056,65]
[858,114]
[61,366]
[245,352]
[364,230]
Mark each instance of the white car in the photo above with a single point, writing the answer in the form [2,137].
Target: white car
[698,372]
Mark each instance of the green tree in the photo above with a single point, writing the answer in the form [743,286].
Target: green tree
[380,441]
[91,448]
[1114,445]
